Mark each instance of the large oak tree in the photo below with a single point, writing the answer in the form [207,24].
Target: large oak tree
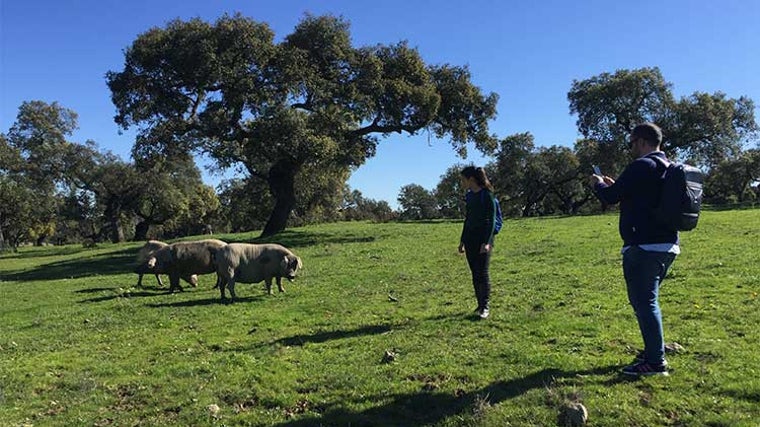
[703,128]
[312,100]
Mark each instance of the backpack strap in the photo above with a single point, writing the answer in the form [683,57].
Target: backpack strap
[481,192]
[661,161]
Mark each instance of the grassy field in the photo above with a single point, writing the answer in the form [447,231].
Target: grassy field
[379,330]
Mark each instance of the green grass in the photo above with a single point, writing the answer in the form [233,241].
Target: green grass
[79,345]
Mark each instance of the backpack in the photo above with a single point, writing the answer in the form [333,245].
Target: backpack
[499,222]
[681,196]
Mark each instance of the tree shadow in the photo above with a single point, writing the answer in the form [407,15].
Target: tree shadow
[320,337]
[752,396]
[303,239]
[44,252]
[116,295]
[203,302]
[426,408]
[123,260]
[118,262]
[94,290]
[159,288]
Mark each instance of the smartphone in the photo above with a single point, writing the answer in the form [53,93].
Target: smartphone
[597,171]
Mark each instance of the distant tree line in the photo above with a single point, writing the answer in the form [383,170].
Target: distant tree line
[53,190]
[711,131]
[298,116]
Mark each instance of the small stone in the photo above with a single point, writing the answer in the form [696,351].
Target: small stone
[389,356]
[573,414]
[213,409]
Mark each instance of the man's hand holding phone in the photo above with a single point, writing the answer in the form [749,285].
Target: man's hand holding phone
[599,178]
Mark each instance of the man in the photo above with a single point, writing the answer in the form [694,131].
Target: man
[649,248]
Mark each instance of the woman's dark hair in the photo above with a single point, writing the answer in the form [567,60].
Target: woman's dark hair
[479,174]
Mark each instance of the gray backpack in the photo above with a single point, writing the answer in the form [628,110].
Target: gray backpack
[681,197]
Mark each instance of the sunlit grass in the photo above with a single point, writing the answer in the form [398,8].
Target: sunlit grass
[80,345]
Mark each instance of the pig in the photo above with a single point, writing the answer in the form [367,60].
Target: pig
[251,263]
[143,268]
[183,260]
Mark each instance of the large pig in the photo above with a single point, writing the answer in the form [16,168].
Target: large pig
[183,260]
[144,254]
[249,263]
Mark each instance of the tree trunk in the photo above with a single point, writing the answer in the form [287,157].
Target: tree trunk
[40,240]
[282,185]
[577,205]
[141,231]
[2,240]
[112,214]
[117,234]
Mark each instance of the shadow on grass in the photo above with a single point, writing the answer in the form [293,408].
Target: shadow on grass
[116,295]
[118,262]
[426,408]
[470,316]
[320,337]
[122,261]
[94,290]
[130,285]
[752,396]
[44,252]
[302,239]
[203,302]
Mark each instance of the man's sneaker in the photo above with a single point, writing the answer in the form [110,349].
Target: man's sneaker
[641,357]
[483,313]
[645,369]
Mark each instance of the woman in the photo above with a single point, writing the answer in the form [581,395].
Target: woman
[478,232]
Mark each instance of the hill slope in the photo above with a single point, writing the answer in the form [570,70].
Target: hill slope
[378,330]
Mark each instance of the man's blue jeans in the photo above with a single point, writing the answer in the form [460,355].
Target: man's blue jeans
[644,271]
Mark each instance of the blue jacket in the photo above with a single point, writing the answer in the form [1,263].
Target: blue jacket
[638,191]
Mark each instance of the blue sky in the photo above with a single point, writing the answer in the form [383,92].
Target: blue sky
[528,52]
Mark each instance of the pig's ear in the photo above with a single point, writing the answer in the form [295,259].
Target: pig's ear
[297,263]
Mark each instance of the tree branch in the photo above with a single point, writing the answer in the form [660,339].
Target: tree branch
[256,174]
[376,128]
[196,103]
[308,105]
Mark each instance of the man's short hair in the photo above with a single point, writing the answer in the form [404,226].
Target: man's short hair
[649,132]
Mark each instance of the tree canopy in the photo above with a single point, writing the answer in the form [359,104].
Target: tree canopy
[704,128]
[311,101]
[35,158]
